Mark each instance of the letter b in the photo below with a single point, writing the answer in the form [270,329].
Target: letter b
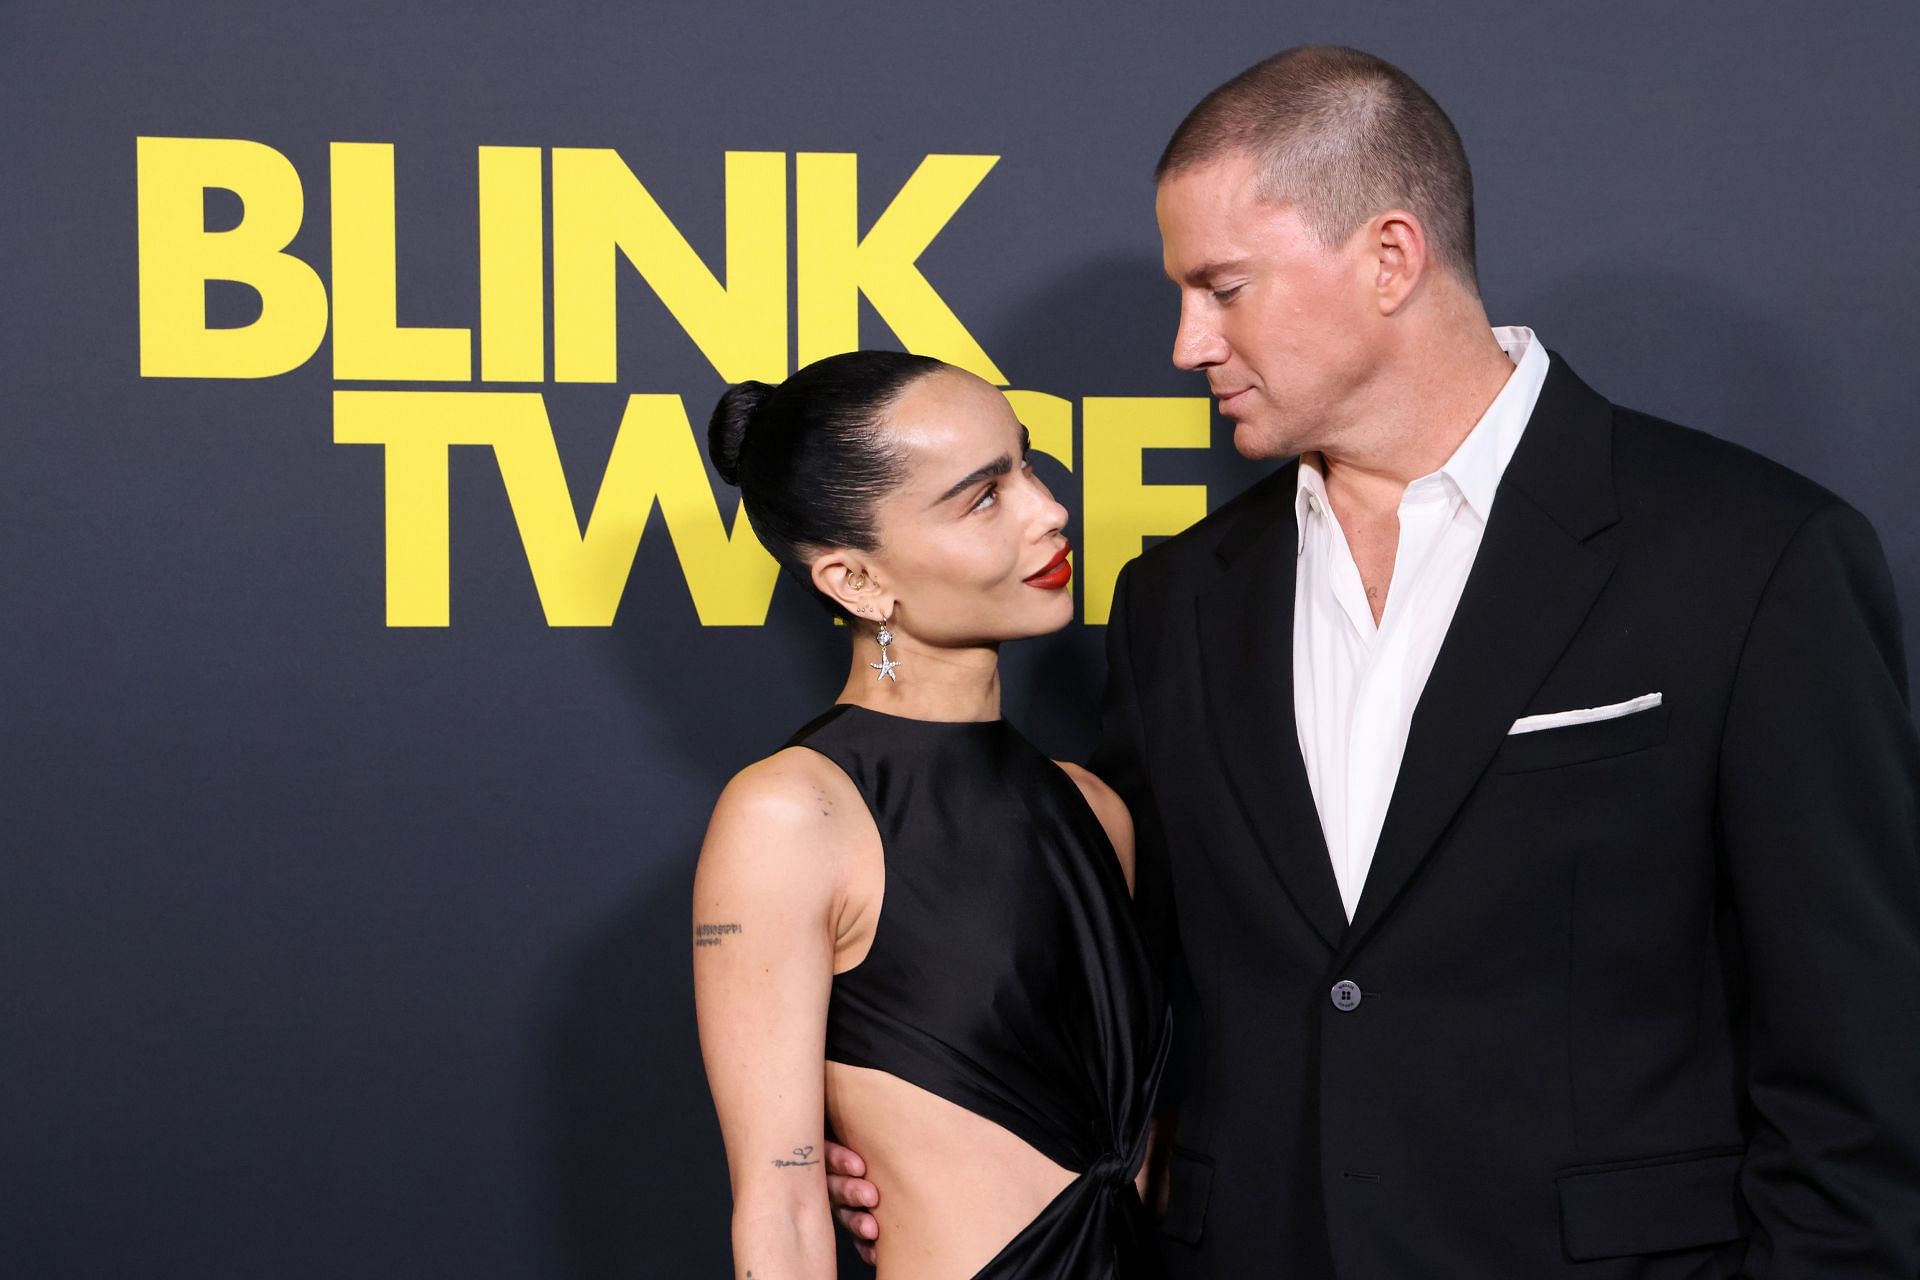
[178,255]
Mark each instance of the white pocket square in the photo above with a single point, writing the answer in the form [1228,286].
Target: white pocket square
[1584,715]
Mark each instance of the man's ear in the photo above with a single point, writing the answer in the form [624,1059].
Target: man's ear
[1397,245]
[845,577]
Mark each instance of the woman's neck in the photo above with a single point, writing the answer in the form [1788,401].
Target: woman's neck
[932,684]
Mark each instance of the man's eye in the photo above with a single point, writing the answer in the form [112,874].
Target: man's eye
[1226,294]
[986,499]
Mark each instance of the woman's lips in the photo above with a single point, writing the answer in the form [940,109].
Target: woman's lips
[1057,574]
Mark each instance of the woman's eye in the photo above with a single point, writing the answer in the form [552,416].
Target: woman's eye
[986,499]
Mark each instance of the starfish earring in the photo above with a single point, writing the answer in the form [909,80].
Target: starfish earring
[886,664]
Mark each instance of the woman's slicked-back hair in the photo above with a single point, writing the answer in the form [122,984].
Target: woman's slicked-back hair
[810,455]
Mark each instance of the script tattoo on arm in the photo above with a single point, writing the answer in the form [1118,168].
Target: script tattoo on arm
[711,935]
[799,1161]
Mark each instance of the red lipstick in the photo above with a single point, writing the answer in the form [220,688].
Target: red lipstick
[1057,573]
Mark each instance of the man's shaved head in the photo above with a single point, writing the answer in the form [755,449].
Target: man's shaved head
[1341,136]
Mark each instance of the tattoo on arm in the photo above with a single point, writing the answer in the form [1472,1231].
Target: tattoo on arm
[711,935]
[800,1160]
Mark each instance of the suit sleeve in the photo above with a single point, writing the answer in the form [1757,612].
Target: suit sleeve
[1820,823]
[1120,760]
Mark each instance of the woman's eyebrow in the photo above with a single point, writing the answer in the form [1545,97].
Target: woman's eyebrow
[1000,466]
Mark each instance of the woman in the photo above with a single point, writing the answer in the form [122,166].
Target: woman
[909,892]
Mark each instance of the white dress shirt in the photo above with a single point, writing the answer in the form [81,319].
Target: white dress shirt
[1355,684]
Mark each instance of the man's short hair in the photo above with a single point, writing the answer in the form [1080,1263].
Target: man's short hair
[1341,135]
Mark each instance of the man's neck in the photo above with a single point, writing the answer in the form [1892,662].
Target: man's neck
[1422,413]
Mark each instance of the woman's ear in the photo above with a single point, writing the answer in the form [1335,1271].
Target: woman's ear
[845,578]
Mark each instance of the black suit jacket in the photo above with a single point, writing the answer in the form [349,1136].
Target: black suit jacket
[1638,997]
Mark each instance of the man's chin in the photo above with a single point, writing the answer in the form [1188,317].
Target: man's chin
[1261,442]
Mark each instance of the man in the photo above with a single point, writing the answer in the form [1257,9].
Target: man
[1528,804]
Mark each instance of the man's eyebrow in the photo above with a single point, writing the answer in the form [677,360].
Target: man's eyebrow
[998,467]
[1208,270]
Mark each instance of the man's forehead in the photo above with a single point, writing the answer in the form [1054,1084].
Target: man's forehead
[1205,200]
[1207,233]
[1200,238]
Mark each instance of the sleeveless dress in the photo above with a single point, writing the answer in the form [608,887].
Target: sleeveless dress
[1006,974]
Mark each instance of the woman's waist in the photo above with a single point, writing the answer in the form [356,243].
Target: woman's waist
[949,1179]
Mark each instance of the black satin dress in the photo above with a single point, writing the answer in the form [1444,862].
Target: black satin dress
[1006,974]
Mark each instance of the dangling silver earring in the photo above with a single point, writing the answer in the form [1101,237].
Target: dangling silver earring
[886,664]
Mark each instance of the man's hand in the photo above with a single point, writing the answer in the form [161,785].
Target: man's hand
[852,1195]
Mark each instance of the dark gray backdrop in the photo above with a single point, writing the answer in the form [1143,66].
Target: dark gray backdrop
[330,950]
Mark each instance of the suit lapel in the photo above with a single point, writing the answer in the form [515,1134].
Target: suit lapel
[1533,582]
[1244,637]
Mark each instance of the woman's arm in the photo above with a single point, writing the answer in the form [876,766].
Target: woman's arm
[763,901]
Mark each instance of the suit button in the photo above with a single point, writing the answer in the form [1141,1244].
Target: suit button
[1346,996]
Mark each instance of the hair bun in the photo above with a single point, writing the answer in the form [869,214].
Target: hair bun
[727,429]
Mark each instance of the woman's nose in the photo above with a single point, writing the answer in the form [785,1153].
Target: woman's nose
[1050,514]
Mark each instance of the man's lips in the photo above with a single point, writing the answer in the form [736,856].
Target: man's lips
[1056,574]
[1227,398]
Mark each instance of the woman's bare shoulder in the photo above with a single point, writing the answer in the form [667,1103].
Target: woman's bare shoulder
[786,788]
[785,810]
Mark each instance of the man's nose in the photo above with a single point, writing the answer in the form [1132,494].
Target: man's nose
[1196,344]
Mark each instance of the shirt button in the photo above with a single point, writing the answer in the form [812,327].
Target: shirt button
[1346,996]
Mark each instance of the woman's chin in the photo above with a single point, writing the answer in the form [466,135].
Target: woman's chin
[1055,617]
[1028,620]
